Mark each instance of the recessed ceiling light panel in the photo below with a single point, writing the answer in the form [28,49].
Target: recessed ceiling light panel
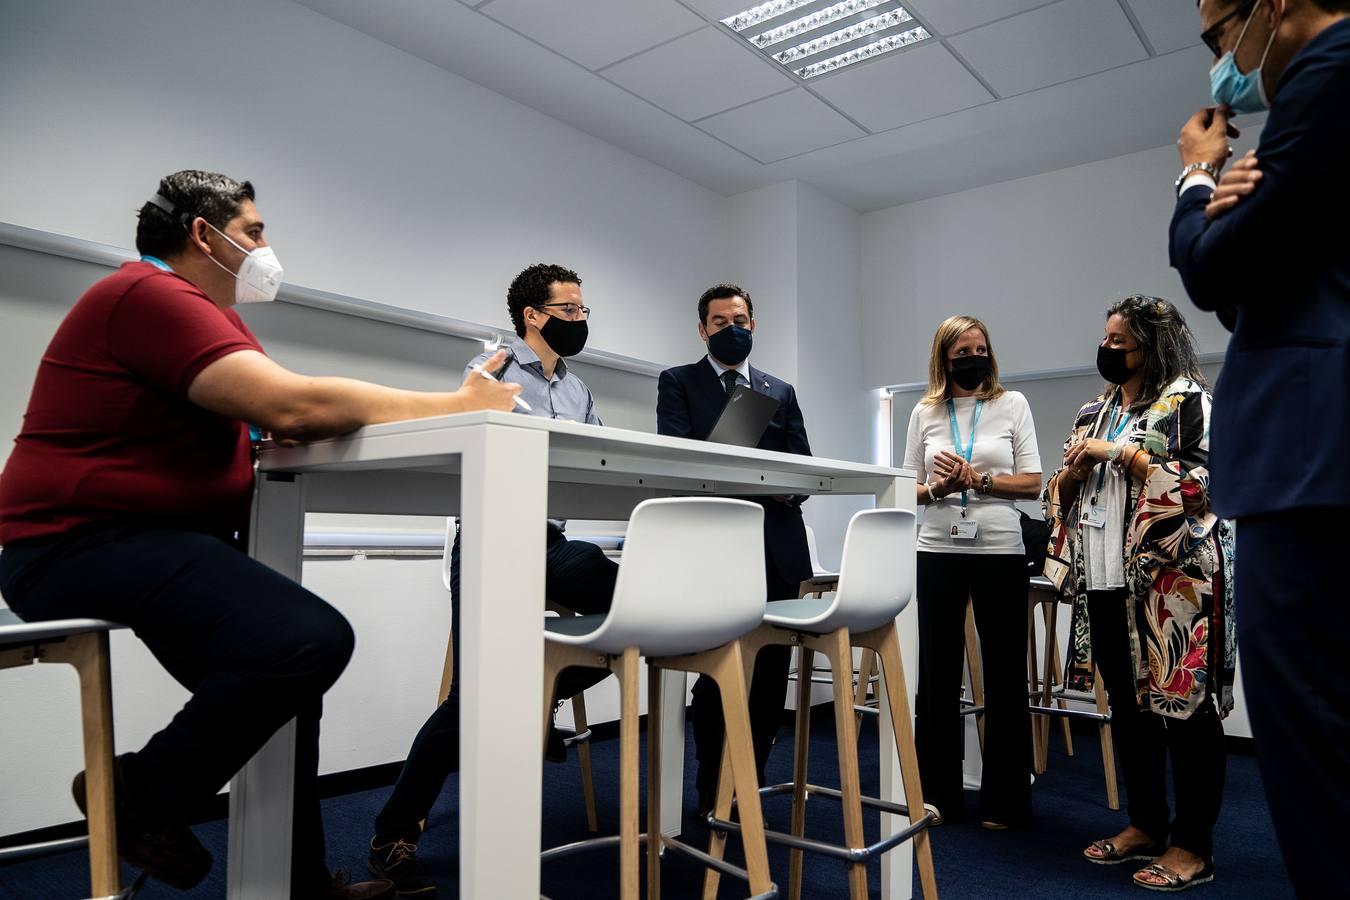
[862,30]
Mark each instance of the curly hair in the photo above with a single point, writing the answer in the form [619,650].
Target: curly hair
[722,292]
[1166,342]
[533,287]
[209,195]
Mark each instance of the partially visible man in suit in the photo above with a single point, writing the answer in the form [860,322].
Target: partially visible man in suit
[1257,249]
[689,400]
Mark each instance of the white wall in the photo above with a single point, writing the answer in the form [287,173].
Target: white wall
[1038,259]
[380,176]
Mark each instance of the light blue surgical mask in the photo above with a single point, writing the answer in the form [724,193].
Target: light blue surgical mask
[1242,93]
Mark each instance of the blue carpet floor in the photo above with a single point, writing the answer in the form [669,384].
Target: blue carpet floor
[1042,861]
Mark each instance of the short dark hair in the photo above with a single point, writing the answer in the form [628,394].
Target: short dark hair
[1165,340]
[722,292]
[532,288]
[193,193]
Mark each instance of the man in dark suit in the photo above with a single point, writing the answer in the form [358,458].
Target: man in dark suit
[1266,248]
[689,400]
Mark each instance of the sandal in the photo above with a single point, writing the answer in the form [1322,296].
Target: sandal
[1173,882]
[1108,855]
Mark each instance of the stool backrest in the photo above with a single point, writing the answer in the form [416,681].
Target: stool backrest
[876,570]
[691,578]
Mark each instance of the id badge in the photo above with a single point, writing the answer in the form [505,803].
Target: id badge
[964,530]
[1093,517]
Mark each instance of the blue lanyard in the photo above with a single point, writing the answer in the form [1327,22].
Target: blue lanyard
[1114,428]
[156,262]
[970,445]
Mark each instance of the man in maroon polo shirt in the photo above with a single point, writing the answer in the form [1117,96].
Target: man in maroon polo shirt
[127,493]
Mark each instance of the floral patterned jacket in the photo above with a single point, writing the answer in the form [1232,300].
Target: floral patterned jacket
[1178,560]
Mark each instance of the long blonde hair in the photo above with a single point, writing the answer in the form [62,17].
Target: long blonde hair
[948,333]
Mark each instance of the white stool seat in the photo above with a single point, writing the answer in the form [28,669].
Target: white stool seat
[15,631]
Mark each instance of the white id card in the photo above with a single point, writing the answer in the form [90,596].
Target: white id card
[1093,516]
[964,530]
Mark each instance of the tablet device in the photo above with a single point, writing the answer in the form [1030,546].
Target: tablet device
[744,418]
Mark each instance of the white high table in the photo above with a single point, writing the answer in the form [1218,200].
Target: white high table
[499,470]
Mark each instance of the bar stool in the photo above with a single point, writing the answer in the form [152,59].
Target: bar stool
[1049,695]
[876,582]
[82,643]
[683,601]
[581,737]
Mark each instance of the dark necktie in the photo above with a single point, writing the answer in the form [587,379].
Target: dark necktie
[729,379]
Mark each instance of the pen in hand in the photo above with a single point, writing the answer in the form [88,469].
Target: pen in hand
[478,367]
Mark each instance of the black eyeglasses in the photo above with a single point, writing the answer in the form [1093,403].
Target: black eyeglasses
[1210,36]
[569,310]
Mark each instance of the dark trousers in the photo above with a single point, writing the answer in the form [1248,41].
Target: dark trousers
[1293,620]
[255,649]
[1144,739]
[767,699]
[577,575]
[997,586]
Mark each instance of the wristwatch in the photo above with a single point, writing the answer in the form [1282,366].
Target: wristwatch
[986,483]
[1196,167]
[1113,453]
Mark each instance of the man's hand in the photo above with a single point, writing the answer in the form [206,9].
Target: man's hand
[478,392]
[1205,136]
[1235,184]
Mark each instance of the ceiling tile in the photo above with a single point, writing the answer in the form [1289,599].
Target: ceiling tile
[950,16]
[720,9]
[1167,24]
[781,126]
[903,87]
[700,74]
[595,33]
[1056,43]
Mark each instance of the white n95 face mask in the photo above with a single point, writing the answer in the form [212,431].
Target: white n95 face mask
[259,276]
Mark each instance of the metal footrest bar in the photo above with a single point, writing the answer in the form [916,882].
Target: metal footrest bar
[667,843]
[45,848]
[969,708]
[580,738]
[1070,713]
[851,854]
[867,710]
[1066,694]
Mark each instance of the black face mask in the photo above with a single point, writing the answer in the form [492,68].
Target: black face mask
[971,371]
[1112,366]
[564,337]
[731,345]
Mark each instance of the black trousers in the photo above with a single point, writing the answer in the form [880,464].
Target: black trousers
[577,575]
[766,700]
[997,586]
[255,649]
[1293,620]
[1144,739]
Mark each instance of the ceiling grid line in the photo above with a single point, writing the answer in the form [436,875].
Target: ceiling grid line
[656,46]
[1138,28]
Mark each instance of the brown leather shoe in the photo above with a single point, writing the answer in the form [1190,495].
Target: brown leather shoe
[341,888]
[168,851]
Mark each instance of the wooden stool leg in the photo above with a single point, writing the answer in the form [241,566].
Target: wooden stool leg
[976,671]
[867,662]
[839,652]
[801,747]
[729,673]
[627,668]
[1108,745]
[717,840]
[886,641]
[653,783]
[1048,682]
[1057,676]
[1033,693]
[584,754]
[88,653]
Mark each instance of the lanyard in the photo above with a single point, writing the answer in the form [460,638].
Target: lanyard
[156,262]
[970,445]
[1114,429]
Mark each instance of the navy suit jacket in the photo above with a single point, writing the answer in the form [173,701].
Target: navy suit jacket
[1277,270]
[688,402]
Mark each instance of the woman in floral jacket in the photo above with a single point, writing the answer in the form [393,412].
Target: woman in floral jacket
[1149,568]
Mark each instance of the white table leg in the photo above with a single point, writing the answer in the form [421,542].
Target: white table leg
[504,493]
[261,794]
[897,866]
[674,691]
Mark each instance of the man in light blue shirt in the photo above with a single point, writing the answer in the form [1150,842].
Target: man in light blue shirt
[547,312]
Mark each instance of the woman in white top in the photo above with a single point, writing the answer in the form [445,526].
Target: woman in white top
[973,446]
